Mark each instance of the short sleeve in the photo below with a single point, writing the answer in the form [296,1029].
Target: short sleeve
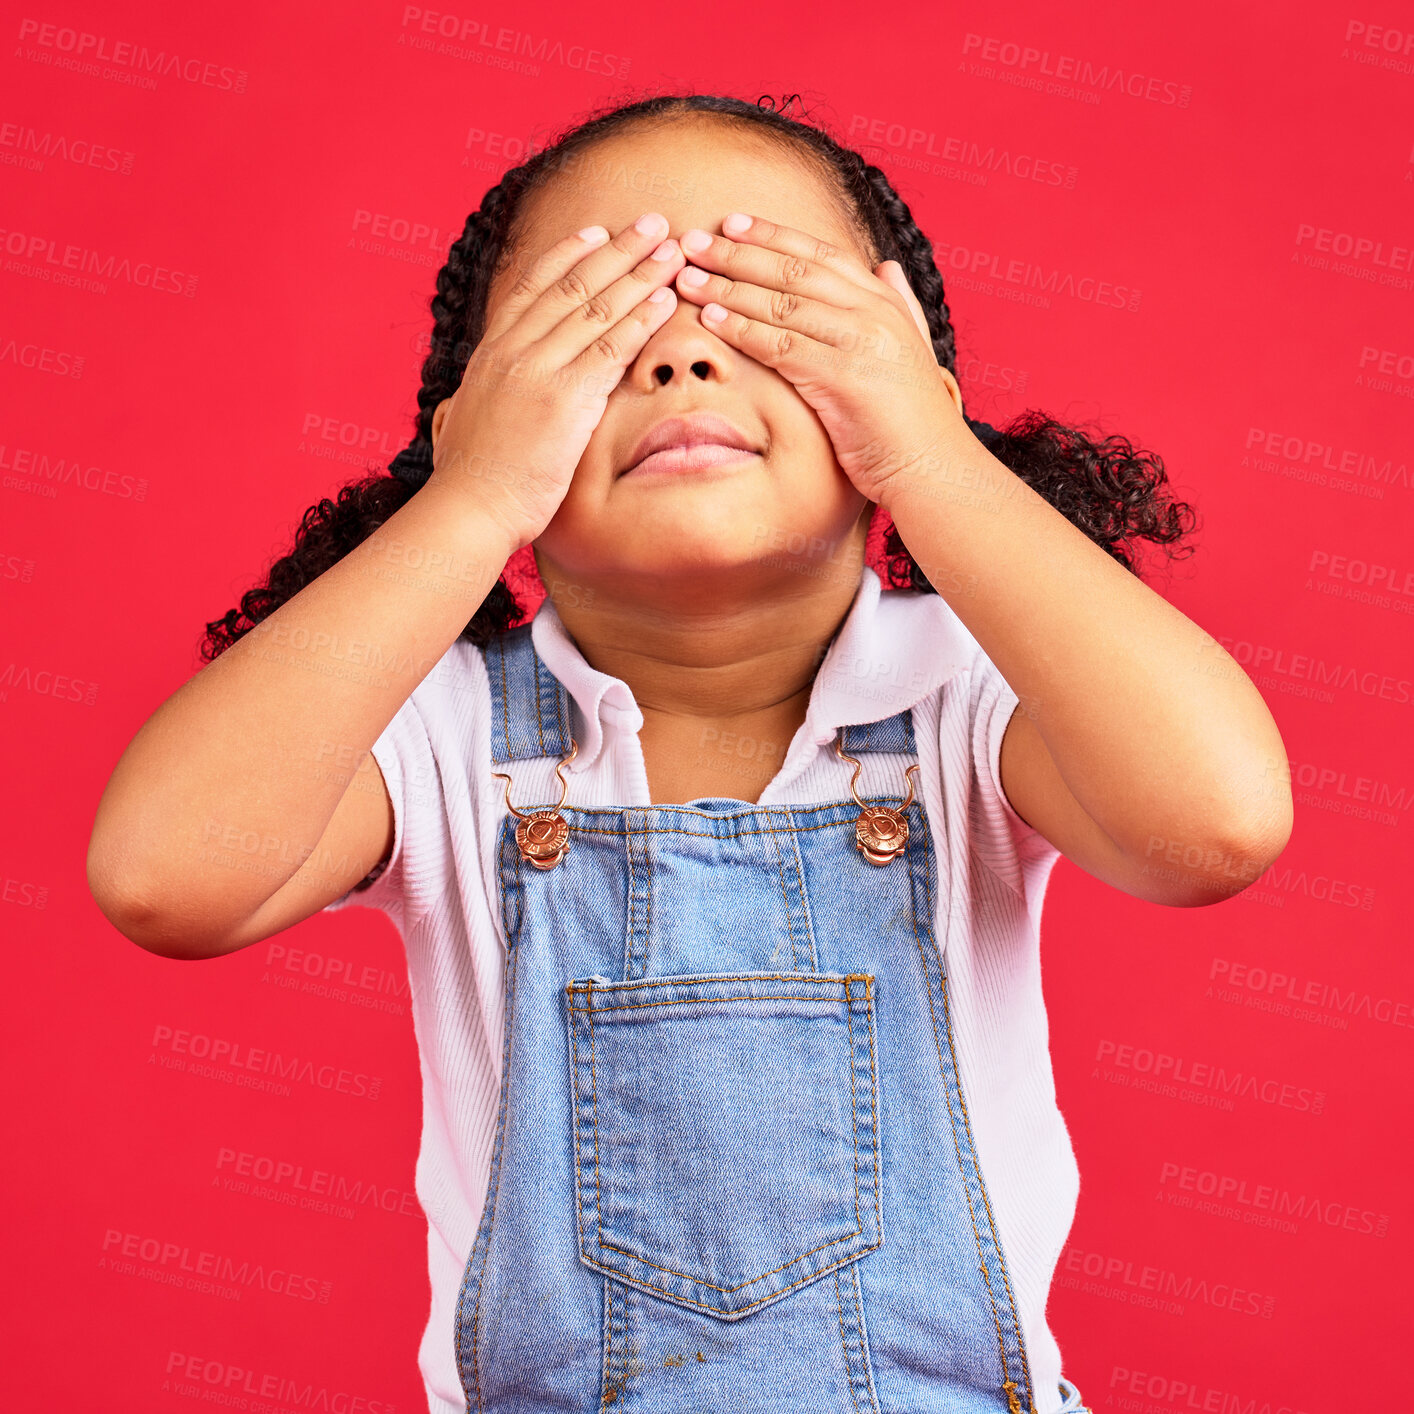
[403,755]
[1002,839]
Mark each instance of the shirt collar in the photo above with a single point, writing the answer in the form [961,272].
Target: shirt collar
[893,649]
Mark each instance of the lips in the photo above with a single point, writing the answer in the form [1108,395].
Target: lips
[671,442]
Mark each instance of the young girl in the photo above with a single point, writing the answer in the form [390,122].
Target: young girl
[720,878]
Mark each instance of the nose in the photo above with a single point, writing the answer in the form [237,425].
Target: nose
[681,349]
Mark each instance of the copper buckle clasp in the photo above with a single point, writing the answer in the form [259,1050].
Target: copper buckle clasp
[543,836]
[880,832]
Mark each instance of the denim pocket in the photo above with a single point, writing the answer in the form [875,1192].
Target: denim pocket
[726,1132]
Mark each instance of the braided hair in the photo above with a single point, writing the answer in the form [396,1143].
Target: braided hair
[1116,494]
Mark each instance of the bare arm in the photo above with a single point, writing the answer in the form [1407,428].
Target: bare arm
[231,814]
[1140,749]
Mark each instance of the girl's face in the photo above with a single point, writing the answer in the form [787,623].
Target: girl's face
[789,516]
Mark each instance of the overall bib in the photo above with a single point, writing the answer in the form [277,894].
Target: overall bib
[733,1167]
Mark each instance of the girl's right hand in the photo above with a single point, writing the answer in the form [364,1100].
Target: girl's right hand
[536,385]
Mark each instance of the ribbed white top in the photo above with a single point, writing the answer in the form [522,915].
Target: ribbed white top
[896,649]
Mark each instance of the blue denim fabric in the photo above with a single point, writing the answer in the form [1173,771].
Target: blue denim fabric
[733,1168]
[1073,1403]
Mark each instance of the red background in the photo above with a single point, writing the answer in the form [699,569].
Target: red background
[158,447]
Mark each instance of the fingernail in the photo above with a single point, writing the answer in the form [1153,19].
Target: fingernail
[736,223]
[660,294]
[694,242]
[666,251]
[714,313]
[593,235]
[692,276]
[651,223]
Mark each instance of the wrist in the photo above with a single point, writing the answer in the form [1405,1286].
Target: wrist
[957,472]
[482,537]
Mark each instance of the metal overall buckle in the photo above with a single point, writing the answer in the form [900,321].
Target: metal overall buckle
[543,836]
[880,832]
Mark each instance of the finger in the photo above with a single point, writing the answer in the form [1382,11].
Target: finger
[892,272]
[843,260]
[789,260]
[795,356]
[601,365]
[529,280]
[576,271]
[785,309]
[582,324]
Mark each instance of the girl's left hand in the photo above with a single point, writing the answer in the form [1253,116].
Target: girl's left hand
[853,342]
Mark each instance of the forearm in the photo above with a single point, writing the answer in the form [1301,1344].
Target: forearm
[261,744]
[1153,726]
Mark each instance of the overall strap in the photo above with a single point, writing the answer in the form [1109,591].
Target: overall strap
[530,707]
[890,734]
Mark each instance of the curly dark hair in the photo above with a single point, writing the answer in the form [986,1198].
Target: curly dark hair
[1117,495]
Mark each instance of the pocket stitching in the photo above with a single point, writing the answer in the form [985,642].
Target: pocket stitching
[588,1012]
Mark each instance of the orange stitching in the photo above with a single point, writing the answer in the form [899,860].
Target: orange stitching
[751,1281]
[535,678]
[632,910]
[813,977]
[854,1106]
[693,1001]
[574,1124]
[785,897]
[712,1310]
[648,911]
[996,1236]
[863,1353]
[505,701]
[952,1120]
[611,1392]
[805,906]
[570,810]
[495,1201]
[981,1183]
[599,1210]
[874,1082]
[594,1097]
[620,1379]
[844,1340]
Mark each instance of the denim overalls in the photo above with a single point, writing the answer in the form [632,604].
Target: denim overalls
[733,1168]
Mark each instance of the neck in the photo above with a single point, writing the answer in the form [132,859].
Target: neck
[735,645]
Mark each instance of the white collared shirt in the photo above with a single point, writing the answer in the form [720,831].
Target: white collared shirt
[895,650]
